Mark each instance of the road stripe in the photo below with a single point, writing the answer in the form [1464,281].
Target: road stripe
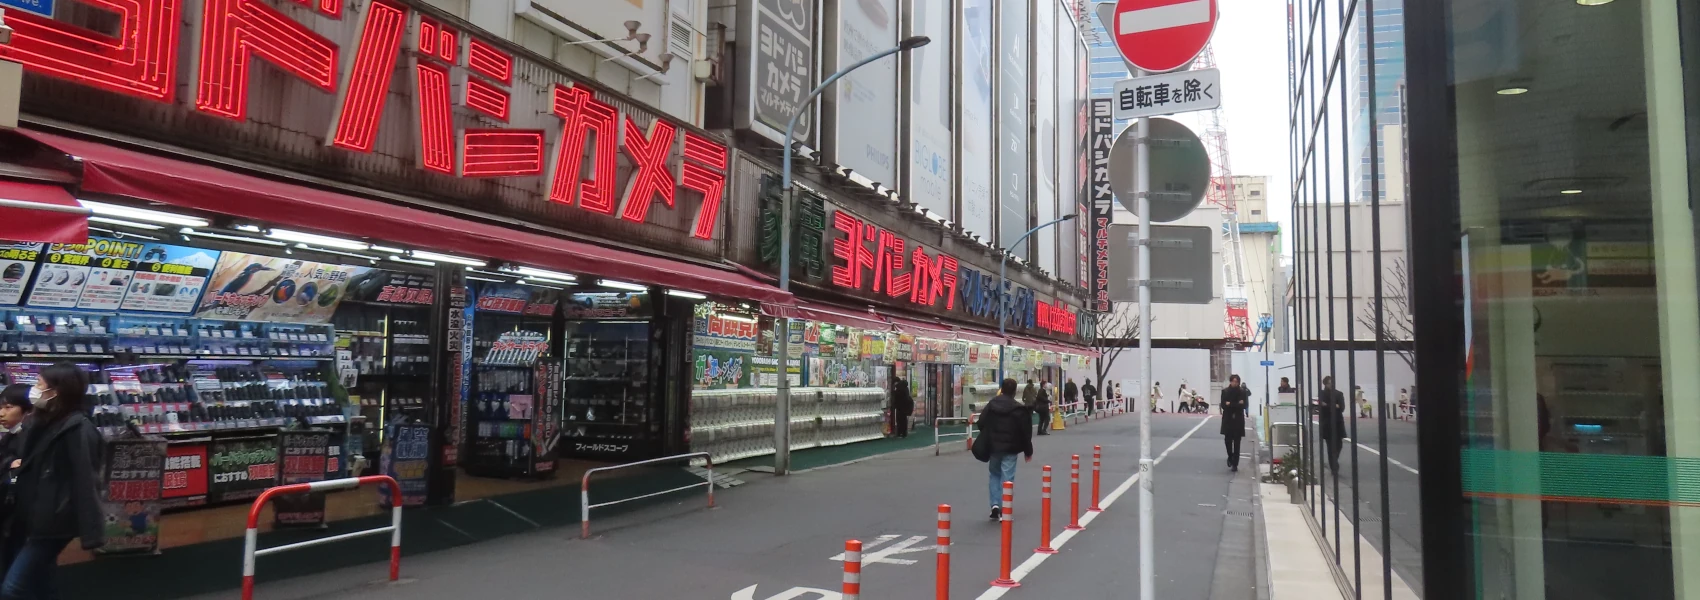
[1027,566]
[1390,460]
[1192,12]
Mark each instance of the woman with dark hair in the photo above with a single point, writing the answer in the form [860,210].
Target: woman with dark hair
[14,406]
[55,484]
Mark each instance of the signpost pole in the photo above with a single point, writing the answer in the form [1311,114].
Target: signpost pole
[1142,190]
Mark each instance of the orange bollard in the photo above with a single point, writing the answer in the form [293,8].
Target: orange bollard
[1045,515]
[943,591]
[852,570]
[1097,462]
[1004,580]
[1074,494]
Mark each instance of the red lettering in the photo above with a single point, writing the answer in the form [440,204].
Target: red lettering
[583,115]
[849,249]
[888,262]
[652,178]
[946,283]
[233,31]
[711,183]
[486,60]
[360,107]
[437,41]
[141,61]
[502,153]
[436,125]
[487,99]
[330,8]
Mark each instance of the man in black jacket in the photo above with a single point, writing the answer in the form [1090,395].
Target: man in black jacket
[1233,419]
[1333,417]
[1004,424]
[1089,392]
[902,407]
[1071,395]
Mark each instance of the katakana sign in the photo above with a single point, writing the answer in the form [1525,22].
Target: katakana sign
[1169,93]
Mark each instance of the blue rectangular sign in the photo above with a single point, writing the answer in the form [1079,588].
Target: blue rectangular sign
[40,7]
[1267,363]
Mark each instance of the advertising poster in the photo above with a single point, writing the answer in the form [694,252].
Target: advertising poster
[131,485]
[186,474]
[99,269]
[931,97]
[393,287]
[729,332]
[1014,200]
[17,262]
[723,349]
[168,279]
[306,455]
[975,106]
[606,305]
[407,449]
[766,372]
[547,435]
[241,468]
[1045,117]
[1065,137]
[866,99]
[251,287]
[842,374]
[722,369]
[782,51]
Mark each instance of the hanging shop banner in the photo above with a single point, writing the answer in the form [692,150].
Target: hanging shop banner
[730,332]
[1103,134]
[186,473]
[241,468]
[251,287]
[547,435]
[459,339]
[407,449]
[132,482]
[306,455]
[17,263]
[109,274]
[392,287]
[782,52]
[607,305]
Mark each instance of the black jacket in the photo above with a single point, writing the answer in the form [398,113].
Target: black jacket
[1333,415]
[1090,391]
[1233,411]
[57,485]
[1007,426]
[902,404]
[1071,392]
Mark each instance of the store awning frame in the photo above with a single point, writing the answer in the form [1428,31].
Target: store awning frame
[117,171]
[39,212]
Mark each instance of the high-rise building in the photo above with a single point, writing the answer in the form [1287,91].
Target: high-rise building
[1260,241]
[1389,56]
[1108,66]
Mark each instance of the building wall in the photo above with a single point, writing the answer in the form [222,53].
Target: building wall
[1197,322]
[1357,304]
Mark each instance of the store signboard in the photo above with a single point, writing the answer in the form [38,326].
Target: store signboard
[862,106]
[736,333]
[241,468]
[253,287]
[407,450]
[393,287]
[607,305]
[109,274]
[1103,136]
[185,478]
[306,457]
[421,103]
[132,481]
[17,263]
[780,59]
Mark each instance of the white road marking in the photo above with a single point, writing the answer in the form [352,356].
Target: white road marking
[1027,566]
[796,593]
[1390,460]
[884,555]
[1164,17]
[870,545]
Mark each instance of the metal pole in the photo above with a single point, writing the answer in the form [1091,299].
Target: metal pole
[782,405]
[1004,284]
[1147,522]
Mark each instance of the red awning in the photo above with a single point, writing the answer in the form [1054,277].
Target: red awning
[842,315]
[111,170]
[34,212]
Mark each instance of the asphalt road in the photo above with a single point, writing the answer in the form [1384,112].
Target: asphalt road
[775,538]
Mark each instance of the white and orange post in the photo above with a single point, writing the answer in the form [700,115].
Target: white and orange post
[852,570]
[1097,464]
[1074,494]
[943,580]
[1045,515]
[1004,580]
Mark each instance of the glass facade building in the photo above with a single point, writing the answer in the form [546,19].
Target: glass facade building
[1551,157]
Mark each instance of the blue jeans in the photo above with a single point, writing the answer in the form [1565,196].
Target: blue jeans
[1002,468]
[30,568]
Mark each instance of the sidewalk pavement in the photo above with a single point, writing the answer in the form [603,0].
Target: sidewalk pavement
[1300,567]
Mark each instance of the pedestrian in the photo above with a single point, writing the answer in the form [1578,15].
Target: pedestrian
[1071,396]
[1185,397]
[1333,423]
[1156,395]
[1089,393]
[1404,404]
[1029,394]
[1118,397]
[1042,407]
[1003,436]
[902,407]
[55,484]
[1364,410]
[1233,419]
[14,406]
[1286,388]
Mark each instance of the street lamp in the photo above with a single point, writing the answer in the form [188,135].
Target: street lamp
[1003,283]
[782,408]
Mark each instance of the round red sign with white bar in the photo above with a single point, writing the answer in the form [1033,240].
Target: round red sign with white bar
[1159,36]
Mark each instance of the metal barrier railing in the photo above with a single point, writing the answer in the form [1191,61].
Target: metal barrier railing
[938,424]
[251,550]
[584,486]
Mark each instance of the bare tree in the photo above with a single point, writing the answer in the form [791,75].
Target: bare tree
[1395,327]
[1114,332]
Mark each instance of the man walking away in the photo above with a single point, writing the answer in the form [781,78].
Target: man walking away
[1233,419]
[1004,430]
[1089,392]
[902,407]
[1042,407]
[1333,421]
[1071,395]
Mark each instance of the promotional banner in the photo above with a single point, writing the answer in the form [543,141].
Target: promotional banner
[407,449]
[1082,143]
[1013,119]
[393,287]
[1068,147]
[931,94]
[169,279]
[1045,118]
[975,107]
[109,274]
[607,305]
[131,484]
[718,369]
[251,287]
[186,474]
[17,263]
[241,468]
[306,455]
[865,101]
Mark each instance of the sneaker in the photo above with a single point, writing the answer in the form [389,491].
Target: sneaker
[997,513]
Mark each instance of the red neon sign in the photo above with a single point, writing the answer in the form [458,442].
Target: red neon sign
[933,275]
[141,61]
[1056,318]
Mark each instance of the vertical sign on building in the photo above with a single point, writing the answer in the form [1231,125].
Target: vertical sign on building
[931,108]
[780,59]
[975,165]
[1045,132]
[1068,148]
[1083,161]
[1103,200]
[1014,117]
[861,108]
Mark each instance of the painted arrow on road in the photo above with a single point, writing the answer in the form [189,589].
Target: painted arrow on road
[885,555]
[796,593]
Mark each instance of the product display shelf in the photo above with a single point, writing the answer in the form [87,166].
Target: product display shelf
[738,423]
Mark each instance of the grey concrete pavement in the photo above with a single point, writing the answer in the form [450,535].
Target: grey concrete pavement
[774,538]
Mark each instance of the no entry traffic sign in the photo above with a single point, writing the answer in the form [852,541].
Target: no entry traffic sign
[1159,36]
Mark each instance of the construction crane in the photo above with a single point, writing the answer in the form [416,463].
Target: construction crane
[1237,328]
